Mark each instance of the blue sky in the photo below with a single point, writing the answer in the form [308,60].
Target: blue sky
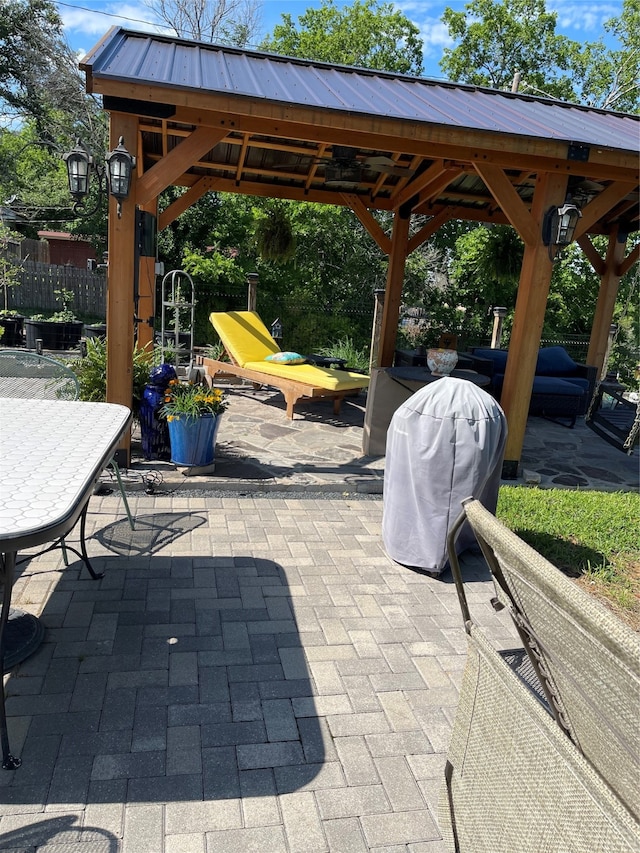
[85,21]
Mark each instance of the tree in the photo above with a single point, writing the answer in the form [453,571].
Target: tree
[367,34]
[610,79]
[39,76]
[497,38]
[230,21]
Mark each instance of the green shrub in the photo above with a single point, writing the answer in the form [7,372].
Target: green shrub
[358,359]
[92,372]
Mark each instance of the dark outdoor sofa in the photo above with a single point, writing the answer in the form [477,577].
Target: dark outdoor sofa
[562,388]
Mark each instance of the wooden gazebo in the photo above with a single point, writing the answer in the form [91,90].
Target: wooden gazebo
[207,117]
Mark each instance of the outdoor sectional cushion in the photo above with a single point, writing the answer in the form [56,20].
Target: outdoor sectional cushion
[320,377]
[551,385]
[554,361]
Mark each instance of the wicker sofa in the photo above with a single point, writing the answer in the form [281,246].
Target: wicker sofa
[562,388]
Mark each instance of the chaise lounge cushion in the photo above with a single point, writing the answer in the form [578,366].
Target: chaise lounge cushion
[244,335]
[321,377]
[248,343]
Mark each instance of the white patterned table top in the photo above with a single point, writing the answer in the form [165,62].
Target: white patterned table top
[51,454]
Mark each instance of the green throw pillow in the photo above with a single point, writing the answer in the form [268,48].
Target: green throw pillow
[286,358]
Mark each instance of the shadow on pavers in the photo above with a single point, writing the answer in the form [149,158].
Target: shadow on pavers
[173,678]
[58,830]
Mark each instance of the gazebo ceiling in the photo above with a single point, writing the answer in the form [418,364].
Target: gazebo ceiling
[264,125]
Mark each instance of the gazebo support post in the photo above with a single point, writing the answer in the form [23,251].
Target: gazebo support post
[393,293]
[528,320]
[120,276]
[609,283]
[147,290]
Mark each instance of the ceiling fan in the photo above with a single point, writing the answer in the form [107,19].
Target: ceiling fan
[345,167]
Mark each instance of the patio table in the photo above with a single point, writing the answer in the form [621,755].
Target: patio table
[53,454]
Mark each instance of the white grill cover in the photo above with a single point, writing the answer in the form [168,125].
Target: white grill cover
[444,444]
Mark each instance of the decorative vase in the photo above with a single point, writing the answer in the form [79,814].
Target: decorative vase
[154,429]
[193,440]
[441,361]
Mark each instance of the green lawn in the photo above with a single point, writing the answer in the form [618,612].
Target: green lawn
[591,536]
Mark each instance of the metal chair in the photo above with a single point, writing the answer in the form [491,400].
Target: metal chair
[28,374]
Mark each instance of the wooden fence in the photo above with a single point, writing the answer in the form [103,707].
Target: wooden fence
[40,281]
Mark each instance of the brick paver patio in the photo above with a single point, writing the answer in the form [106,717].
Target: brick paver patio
[252,674]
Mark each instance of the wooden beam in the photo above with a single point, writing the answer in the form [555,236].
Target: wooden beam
[609,283]
[120,276]
[413,187]
[591,254]
[300,121]
[510,202]
[629,261]
[531,301]
[428,230]
[393,293]
[370,224]
[184,202]
[601,204]
[163,173]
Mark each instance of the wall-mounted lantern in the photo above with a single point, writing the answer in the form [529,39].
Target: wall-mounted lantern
[559,226]
[80,164]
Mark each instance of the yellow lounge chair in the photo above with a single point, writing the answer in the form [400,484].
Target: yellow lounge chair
[247,342]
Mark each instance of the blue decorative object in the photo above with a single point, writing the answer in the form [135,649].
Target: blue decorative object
[154,430]
[193,440]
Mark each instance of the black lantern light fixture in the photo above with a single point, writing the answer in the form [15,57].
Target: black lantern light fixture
[559,227]
[119,171]
[80,164]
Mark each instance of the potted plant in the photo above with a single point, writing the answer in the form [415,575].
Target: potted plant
[11,328]
[193,415]
[61,330]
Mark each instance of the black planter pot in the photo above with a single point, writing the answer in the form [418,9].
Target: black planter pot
[96,330]
[53,335]
[12,335]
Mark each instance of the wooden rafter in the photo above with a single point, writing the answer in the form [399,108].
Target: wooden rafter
[371,225]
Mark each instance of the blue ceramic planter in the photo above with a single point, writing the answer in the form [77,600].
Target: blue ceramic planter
[193,440]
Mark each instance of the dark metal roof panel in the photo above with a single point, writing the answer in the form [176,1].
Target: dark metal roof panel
[128,55]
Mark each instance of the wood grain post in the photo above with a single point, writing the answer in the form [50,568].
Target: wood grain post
[609,283]
[120,275]
[393,294]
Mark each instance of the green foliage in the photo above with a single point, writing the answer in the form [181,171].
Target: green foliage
[494,39]
[39,78]
[186,400]
[356,357]
[275,239]
[9,265]
[213,274]
[92,372]
[365,33]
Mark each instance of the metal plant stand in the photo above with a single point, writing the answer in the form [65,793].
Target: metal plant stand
[177,321]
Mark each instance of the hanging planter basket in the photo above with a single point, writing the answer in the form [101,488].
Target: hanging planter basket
[193,439]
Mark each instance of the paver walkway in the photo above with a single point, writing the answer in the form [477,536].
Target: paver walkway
[252,674]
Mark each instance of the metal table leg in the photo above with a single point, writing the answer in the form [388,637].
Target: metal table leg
[9,762]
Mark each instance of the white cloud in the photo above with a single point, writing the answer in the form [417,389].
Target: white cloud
[80,22]
[584,16]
